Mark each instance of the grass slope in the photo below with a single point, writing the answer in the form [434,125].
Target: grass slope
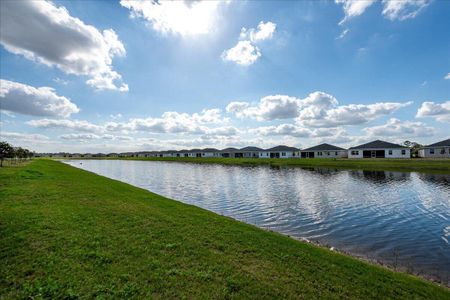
[67,233]
[441,166]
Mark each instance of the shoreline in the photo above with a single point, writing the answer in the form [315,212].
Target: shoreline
[375,261]
[431,166]
[339,260]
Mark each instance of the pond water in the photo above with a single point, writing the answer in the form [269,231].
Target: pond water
[401,219]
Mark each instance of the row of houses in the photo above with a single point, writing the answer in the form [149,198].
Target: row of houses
[374,149]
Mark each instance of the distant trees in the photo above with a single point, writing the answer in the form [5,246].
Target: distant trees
[8,151]
[414,147]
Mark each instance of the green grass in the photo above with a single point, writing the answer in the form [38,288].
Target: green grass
[441,166]
[68,233]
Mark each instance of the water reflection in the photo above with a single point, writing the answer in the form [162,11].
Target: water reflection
[399,218]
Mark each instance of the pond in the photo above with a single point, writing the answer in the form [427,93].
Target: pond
[400,219]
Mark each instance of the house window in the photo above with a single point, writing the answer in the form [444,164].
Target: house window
[403,152]
[390,152]
[355,152]
[319,153]
[283,153]
[431,151]
[335,153]
[328,153]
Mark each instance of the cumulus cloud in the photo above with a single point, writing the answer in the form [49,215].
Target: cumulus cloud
[83,137]
[318,109]
[396,128]
[322,110]
[43,101]
[207,122]
[269,108]
[354,8]
[47,34]
[245,52]
[392,9]
[264,31]
[78,125]
[447,77]
[439,111]
[177,17]
[23,137]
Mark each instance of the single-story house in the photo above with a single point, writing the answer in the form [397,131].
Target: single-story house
[210,152]
[437,150]
[379,149]
[250,152]
[324,151]
[195,153]
[229,152]
[281,151]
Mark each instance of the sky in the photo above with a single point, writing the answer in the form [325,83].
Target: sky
[116,76]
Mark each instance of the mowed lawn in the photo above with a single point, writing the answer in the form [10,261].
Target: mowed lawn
[67,233]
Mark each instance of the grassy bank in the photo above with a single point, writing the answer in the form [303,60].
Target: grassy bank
[67,233]
[441,166]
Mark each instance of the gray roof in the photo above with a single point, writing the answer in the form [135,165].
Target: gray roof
[251,148]
[229,150]
[444,143]
[210,150]
[282,148]
[324,147]
[378,145]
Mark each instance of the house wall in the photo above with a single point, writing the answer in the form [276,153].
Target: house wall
[396,153]
[329,154]
[208,154]
[264,154]
[435,152]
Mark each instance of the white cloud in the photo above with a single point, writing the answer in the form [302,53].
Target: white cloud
[439,111]
[322,110]
[343,34]
[169,122]
[269,108]
[83,137]
[396,128]
[20,136]
[403,9]
[43,101]
[392,9]
[447,77]
[264,31]
[78,125]
[47,34]
[354,8]
[318,109]
[178,17]
[244,53]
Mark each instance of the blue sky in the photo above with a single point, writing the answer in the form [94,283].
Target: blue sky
[90,76]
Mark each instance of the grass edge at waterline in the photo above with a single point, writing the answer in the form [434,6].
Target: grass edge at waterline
[438,166]
[66,232]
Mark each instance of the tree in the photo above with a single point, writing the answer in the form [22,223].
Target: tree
[6,150]
[414,147]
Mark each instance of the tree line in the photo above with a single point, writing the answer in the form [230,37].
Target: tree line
[8,151]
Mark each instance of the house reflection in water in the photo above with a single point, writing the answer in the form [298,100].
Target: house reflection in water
[380,176]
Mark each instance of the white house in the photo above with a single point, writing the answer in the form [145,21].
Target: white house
[437,150]
[379,149]
[210,152]
[250,152]
[228,152]
[324,151]
[281,151]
